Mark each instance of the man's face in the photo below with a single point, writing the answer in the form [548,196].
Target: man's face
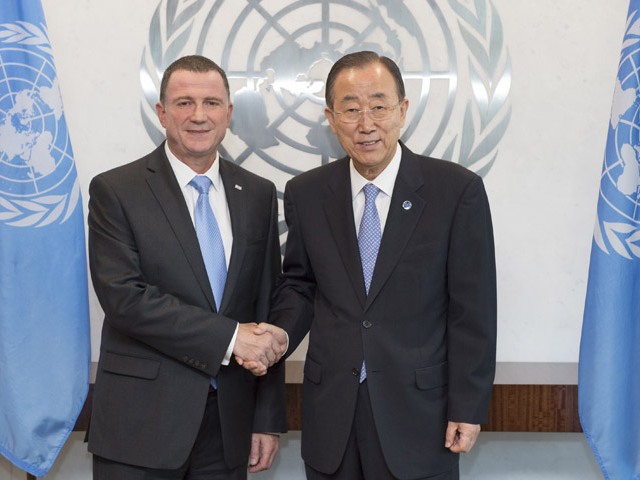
[196,113]
[370,143]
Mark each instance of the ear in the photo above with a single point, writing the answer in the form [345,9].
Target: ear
[229,112]
[162,114]
[331,118]
[404,106]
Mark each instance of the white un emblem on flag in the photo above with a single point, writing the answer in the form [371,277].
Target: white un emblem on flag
[38,182]
[618,227]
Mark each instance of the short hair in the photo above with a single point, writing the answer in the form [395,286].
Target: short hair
[192,63]
[361,60]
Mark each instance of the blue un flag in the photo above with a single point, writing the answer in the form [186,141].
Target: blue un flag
[609,372]
[44,318]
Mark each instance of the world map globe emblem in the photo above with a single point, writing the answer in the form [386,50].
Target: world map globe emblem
[37,170]
[277,55]
[621,175]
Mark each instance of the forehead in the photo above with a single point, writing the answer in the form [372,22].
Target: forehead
[185,82]
[364,83]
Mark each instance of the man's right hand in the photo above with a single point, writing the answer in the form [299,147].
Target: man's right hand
[258,347]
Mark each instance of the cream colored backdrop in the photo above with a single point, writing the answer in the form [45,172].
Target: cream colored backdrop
[543,186]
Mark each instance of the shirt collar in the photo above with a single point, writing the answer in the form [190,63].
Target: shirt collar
[384,181]
[184,174]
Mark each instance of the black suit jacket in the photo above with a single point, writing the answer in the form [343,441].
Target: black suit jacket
[427,328]
[162,339]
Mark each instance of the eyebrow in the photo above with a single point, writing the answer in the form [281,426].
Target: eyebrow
[349,98]
[189,97]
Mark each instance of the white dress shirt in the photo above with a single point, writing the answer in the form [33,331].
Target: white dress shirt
[384,181]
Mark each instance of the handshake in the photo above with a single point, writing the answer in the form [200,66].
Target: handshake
[259,347]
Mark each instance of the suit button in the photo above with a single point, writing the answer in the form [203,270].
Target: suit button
[367,324]
[355,372]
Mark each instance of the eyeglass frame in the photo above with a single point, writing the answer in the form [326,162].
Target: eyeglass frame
[361,112]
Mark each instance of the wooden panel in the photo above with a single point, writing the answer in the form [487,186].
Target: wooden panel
[85,415]
[294,406]
[513,408]
[534,408]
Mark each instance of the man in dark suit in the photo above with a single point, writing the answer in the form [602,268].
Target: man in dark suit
[401,356]
[170,399]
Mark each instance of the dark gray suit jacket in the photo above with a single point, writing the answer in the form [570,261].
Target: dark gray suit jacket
[427,328]
[162,339]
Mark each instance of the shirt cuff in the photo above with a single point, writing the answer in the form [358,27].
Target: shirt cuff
[227,356]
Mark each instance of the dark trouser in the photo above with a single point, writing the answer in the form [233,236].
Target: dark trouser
[363,458]
[206,461]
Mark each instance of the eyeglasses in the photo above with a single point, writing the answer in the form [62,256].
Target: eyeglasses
[377,114]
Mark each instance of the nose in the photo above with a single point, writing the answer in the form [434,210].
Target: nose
[366,123]
[198,113]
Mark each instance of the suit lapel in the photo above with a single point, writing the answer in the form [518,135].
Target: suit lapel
[236,199]
[404,212]
[339,211]
[165,188]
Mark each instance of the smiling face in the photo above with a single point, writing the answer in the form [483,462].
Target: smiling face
[371,144]
[196,112]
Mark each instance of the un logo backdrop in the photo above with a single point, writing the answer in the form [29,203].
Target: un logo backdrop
[277,55]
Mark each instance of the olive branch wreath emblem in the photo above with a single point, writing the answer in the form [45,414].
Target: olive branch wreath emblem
[26,34]
[623,238]
[487,113]
[45,209]
[486,116]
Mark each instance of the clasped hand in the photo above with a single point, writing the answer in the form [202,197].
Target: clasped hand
[259,347]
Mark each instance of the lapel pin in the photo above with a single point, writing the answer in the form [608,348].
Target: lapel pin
[407,205]
[238,187]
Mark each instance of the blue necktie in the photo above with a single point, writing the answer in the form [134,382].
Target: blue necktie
[210,239]
[210,242]
[369,237]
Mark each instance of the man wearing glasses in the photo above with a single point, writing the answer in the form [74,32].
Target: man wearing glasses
[390,266]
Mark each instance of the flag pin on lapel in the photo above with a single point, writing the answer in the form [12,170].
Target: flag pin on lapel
[407,205]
